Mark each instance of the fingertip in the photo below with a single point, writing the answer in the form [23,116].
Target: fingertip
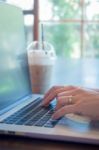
[62,111]
[56,108]
[44,103]
[54,117]
[45,96]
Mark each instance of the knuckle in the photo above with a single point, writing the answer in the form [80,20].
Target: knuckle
[54,88]
[76,91]
[58,95]
[72,87]
[80,90]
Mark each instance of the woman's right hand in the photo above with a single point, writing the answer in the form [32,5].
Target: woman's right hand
[84,101]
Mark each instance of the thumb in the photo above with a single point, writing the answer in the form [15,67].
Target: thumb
[64,110]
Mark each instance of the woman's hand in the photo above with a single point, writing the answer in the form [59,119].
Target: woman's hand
[71,99]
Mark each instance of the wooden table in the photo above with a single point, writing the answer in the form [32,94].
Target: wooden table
[83,72]
[15,143]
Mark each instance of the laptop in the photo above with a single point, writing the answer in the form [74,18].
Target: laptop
[21,113]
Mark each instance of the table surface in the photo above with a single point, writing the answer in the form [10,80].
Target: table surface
[83,72]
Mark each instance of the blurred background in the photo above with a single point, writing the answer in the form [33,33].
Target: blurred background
[72,26]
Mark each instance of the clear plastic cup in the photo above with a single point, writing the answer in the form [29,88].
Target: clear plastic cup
[41,59]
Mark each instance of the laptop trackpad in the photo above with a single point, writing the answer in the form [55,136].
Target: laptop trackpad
[76,122]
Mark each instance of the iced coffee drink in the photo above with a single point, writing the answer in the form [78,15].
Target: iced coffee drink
[41,61]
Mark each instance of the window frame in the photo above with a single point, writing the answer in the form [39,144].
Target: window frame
[82,22]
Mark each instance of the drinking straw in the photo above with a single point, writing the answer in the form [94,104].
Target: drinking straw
[42,36]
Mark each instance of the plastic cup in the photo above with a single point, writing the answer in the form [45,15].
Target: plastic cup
[41,59]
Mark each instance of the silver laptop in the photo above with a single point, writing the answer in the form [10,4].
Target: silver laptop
[21,112]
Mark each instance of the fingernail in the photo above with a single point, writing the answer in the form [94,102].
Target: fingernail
[54,117]
[43,103]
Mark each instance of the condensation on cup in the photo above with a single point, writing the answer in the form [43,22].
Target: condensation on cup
[41,59]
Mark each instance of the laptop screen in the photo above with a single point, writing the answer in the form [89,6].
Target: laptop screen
[14,76]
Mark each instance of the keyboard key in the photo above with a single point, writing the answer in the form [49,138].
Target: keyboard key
[51,123]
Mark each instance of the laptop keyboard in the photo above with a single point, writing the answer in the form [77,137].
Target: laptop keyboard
[33,115]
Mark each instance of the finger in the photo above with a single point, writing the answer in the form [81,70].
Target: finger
[61,101]
[52,89]
[53,93]
[51,96]
[66,100]
[64,110]
[72,92]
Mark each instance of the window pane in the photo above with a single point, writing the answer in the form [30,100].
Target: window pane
[24,4]
[64,37]
[92,9]
[59,9]
[29,21]
[92,40]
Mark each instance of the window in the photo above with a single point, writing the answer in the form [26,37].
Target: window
[72,26]
[27,7]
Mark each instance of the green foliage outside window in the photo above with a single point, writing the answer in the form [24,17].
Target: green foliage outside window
[66,35]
